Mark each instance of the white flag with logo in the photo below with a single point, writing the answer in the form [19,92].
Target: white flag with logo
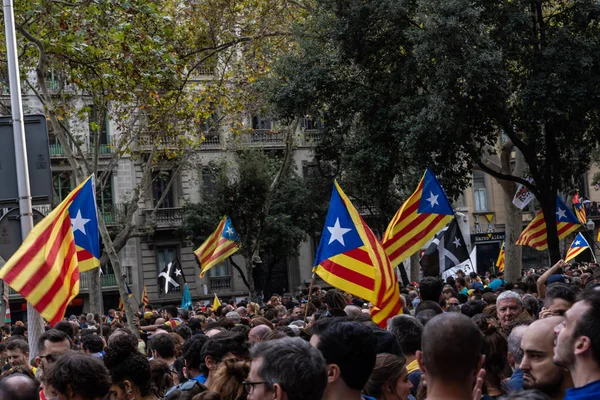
[522,197]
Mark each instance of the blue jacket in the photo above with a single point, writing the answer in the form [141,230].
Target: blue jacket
[591,391]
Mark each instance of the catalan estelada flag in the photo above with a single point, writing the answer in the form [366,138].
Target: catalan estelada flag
[145,300]
[222,243]
[535,234]
[44,270]
[351,258]
[121,306]
[578,246]
[128,290]
[579,209]
[425,212]
[500,260]
[84,217]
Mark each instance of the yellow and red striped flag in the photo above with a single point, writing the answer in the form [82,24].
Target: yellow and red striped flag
[44,270]
[121,306]
[352,259]
[535,234]
[145,300]
[222,243]
[500,260]
[579,209]
[579,245]
[425,212]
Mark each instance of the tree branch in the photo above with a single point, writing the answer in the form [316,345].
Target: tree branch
[507,177]
[239,269]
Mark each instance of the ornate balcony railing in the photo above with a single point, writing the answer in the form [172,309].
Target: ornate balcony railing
[164,217]
[219,283]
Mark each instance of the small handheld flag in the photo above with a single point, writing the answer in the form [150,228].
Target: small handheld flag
[419,219]
[578,246]
[216,302]
[579,209]
[222,243]
[446,251]
[45,269]
[169,278]
[145,300]
[186,300]
[500,260]
[128,290]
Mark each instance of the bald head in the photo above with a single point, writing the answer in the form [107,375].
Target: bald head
[257,333]
[19,387]
[439,354]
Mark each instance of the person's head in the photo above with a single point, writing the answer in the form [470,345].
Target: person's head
[286,298]
[18,330]
[460,283]
[17,351]
[508,307]
[515,354]
[407,330]
[348,349]
[234,316]
[192,354]
[257,333]
[162,377]
[559,298]
[228,379]
[78,376]
[539,371]
[473,307]
[225,346]
[275,371]
[129,369]
[67,327]
[19,387]
[578,337]
[92,344]
[163,346]
[430,288]
[51,345]
[439,357]
[170,311]
[452,301]
[531,305]
[495,349]
[389,379]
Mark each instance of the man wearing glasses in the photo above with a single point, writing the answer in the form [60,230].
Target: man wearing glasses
[51,345]
[275,371]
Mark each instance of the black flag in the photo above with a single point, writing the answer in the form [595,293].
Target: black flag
[445,251]
[171,278]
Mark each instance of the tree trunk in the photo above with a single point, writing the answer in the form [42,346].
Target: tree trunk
[548,202]
[95,292]
[249,275]
[415,268]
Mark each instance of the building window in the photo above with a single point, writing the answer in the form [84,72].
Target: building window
[221,269]
[164,255]
[104,196]
[479,192]
[209,180]
[160,187]
[261,122]
[61,182]
[98,127]
[308,123]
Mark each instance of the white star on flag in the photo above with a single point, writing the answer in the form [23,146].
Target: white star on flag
[433,199]
[177,272]
[561,213]
[79,222]
[577,243]
[456,242]
[229,231]
[337,232]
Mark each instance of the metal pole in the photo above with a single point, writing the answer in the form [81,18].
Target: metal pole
[35,322]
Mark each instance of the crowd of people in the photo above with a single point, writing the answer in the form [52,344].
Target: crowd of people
[468,337]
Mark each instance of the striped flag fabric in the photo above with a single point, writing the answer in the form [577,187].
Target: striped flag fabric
[579,245]
[45,269]
[535,234]
[222,243]
[121,305]
[128,290]
[145,300]
[419,219]
[500,260]
[351,258]
[579,209]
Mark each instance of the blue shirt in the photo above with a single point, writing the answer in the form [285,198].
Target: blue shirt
[515,382]
[368,397]
[590,391]
[200,378]
[496,283]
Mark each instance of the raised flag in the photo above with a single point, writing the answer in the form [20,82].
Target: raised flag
[523,196]
[128,290]
[579,209]
[467,266]
[45,269]
[216,303]
[579,245]
[535,234]
[121,306]
[447,250]
[351,258]
[7,317]
[186,300]
[500,260]
[170,278]
[222,243]
[145,300]
[419,219]
[84,218]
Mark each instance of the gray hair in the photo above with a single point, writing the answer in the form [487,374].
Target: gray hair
[514,343]
[531,394]
[352,311]
[234,316]
[295,365]
[509,294]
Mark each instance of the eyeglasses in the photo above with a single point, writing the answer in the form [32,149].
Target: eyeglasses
[249,386]
[49,358]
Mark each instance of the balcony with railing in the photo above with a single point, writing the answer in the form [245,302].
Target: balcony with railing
[220,283]
[262,138]
[210,141]
[312,137]
[164,218]
[114,214]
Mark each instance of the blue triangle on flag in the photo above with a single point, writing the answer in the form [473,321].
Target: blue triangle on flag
[433,198]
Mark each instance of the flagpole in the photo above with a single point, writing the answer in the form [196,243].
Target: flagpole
[35,323]
[312,282]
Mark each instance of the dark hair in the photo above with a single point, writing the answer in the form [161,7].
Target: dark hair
[430,288]
[161,377]
[295,365]
[351,346]
[221,344]
[334,299]
[125,362]
[531,394]
[66,327]
[18,391]
[425,316]
[495,349]
[164,345]
[388,368]
[192,350]
[429,305]
[17,342]
[18,331]
[531,305]
[270,314]
[83,374]
[184,331]
[461,281]
[473,307]
[53,336]
[92,343]
[588,324]
[2,347]
[440,355]
[560,291]
[171,309]
[407,330]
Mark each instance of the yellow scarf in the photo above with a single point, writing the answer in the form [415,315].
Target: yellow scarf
[413,366]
